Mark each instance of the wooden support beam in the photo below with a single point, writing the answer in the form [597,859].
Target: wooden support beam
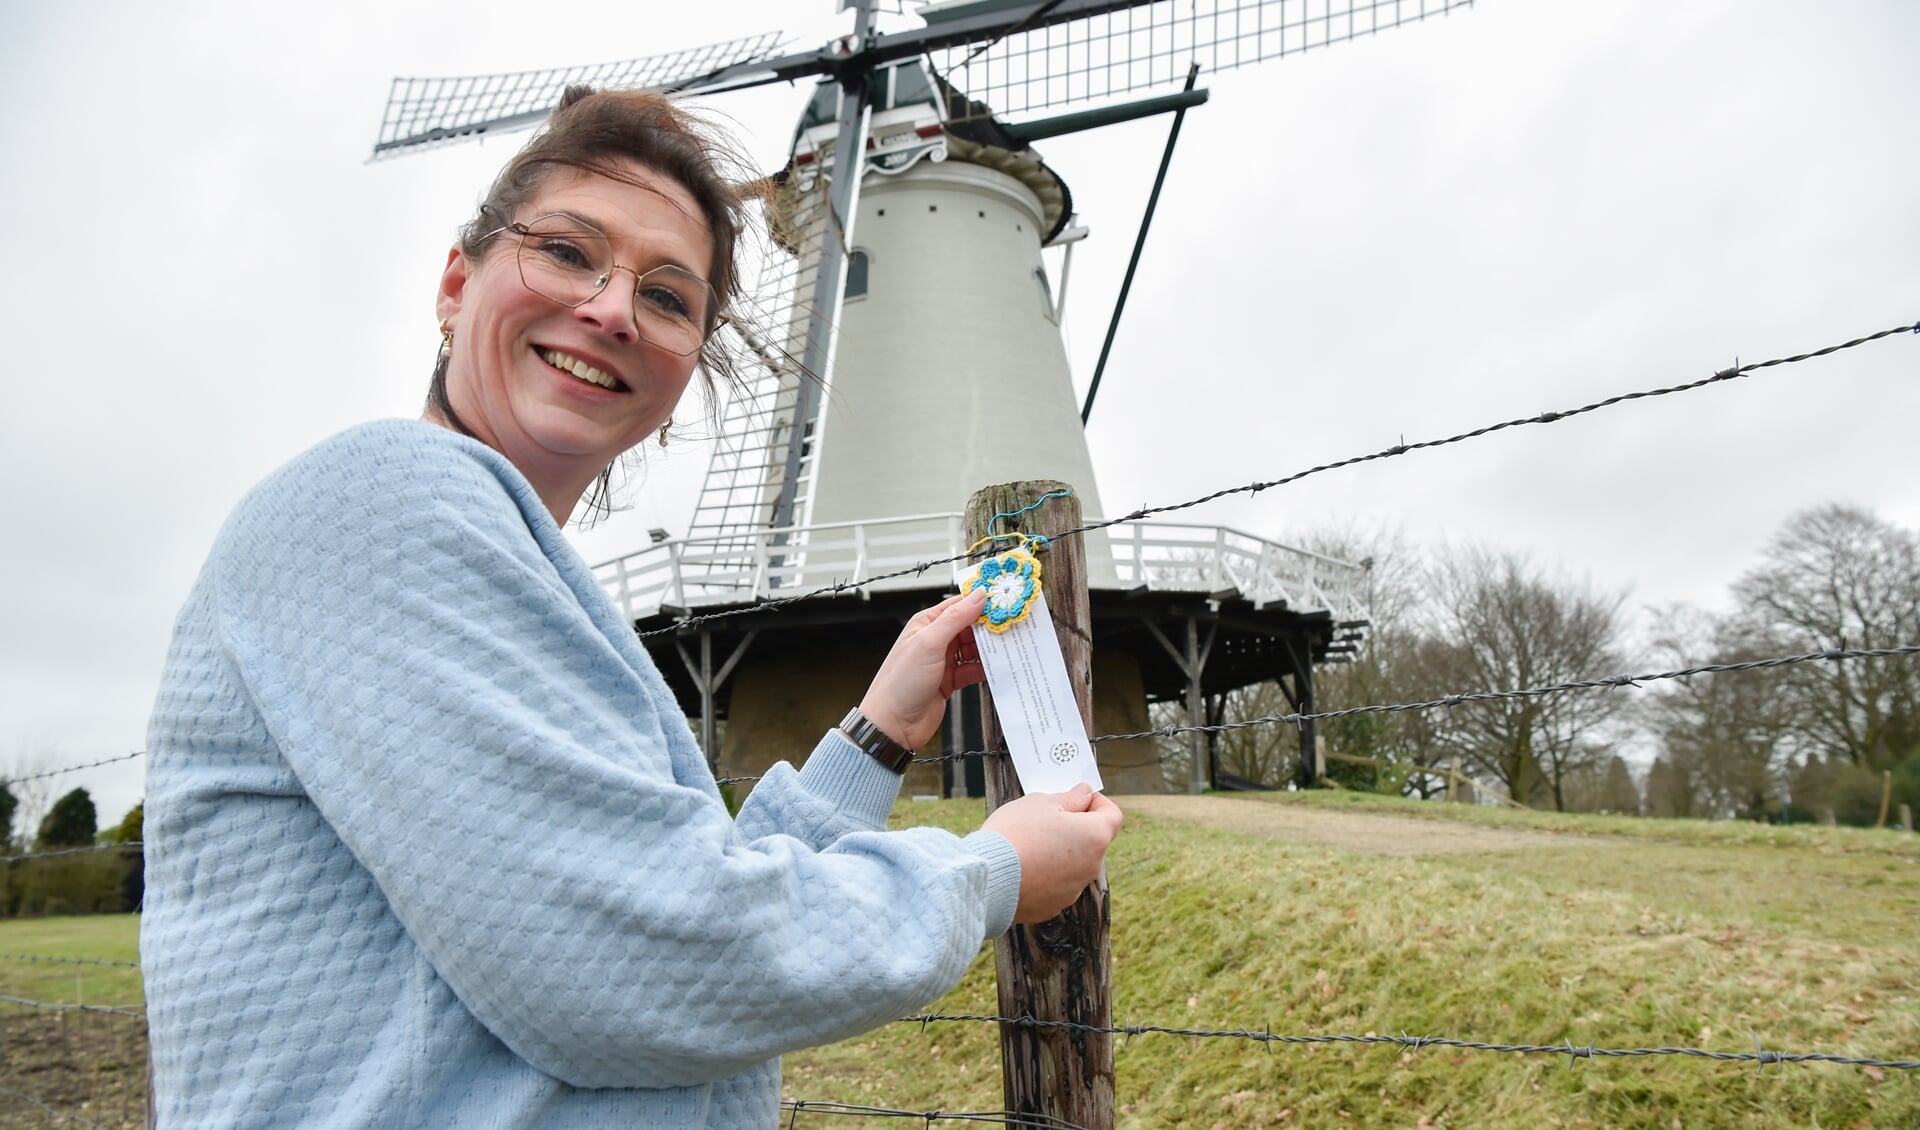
[1060,969]
[1303,704]
[1192,663]
[708,683]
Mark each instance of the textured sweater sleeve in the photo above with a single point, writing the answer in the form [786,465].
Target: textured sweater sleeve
[495,760]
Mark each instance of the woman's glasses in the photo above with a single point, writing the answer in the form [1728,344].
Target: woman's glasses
[569,262]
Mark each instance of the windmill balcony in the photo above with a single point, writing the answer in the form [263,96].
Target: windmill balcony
[742,569]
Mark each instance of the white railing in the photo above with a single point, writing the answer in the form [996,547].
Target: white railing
[692,573]
[1222,562]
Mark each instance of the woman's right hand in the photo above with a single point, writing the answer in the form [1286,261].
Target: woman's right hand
[1061,839]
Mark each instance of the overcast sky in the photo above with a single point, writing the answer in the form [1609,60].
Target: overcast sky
[1527,205]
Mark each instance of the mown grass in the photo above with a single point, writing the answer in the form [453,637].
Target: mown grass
[1704,936]
[107,937]
[1718,833]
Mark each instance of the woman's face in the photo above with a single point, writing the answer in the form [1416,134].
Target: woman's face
[512,374]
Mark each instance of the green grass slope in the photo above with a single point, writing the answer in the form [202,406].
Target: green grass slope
[1605,931]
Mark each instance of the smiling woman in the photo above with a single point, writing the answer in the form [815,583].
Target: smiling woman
[428,842]
[552,363]
[611,174]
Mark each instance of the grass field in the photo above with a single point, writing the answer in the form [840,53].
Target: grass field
[1600,930]
[58,1066]
[1349,913]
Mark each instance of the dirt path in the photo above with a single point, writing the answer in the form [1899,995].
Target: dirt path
[1350,831]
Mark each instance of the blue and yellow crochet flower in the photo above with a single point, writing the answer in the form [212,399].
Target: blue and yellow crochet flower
[1012,581]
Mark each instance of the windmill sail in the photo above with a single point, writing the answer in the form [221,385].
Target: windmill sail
[738,501]
[425,112]
[1113,53]
[1017,59]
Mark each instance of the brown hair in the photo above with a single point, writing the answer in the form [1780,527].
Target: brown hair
[595,131]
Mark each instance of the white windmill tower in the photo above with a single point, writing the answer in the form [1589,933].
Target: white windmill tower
[915,290]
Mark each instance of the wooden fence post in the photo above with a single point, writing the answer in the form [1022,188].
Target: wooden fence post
[1906,818]
[1060,969]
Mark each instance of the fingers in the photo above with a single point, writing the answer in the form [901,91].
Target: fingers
[908,694]
[969,676]
[1062,840]
[1103,807]
[1082,799]
[933,614]
[926,616]
[957,612]
[1077,799]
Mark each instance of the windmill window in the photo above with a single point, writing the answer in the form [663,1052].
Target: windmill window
[856,275]
[822,108]
[1046,292]
[910,85]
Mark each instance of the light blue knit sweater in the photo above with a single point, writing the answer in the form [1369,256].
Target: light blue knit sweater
[429,843]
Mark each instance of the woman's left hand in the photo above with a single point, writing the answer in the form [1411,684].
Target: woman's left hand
[934,656]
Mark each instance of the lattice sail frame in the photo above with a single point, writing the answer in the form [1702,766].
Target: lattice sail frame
[425,112]
[756,417]
[1110,54]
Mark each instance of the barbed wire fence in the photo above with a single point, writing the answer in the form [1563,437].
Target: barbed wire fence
[841,588]
[72,1063]
[114,1085]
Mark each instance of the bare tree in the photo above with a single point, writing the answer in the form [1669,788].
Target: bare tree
[1395,663]
[33,793]
[1670,792]
[1604,783]
[1840,576]
[1722,735]
[1267,755]
[1498,622]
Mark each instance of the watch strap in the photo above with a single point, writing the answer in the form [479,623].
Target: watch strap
[861,731]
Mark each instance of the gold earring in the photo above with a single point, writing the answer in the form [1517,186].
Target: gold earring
[663,431]
[446,337]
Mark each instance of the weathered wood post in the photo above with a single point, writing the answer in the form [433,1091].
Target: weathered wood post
[1906,818]
[1886,797]
[1060,969]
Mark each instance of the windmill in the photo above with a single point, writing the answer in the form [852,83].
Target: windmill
[911,283]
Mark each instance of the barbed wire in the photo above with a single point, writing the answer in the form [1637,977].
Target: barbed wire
[54,1006]
[1256,487]
[61,1115]
[1759,1056]
[796,1107]
[1402,448]
[72,768]
[67,960]
[71,851]
[1607,682]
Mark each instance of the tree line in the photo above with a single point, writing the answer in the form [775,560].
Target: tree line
[80,882]
[1789,743]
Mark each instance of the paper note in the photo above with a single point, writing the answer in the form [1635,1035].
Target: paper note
[1034,699]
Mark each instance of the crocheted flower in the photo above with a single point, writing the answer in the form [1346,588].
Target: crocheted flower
[1012,581]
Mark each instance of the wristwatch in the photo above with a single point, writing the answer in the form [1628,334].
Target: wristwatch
[861,731]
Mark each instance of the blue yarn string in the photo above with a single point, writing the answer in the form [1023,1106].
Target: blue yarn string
[1040,541]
